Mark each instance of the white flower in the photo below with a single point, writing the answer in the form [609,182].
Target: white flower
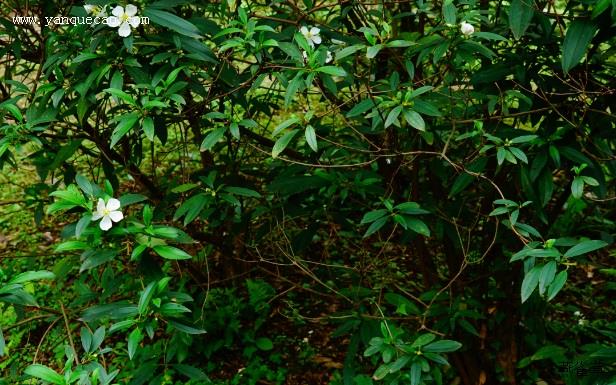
[96,10]
[124,18]
[312,35]
[109,212]
[577,313]
[305,55]
[466,28]
[329,57]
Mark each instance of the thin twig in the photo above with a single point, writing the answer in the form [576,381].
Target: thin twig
[68,331]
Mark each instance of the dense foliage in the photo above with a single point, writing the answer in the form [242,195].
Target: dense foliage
[336,192]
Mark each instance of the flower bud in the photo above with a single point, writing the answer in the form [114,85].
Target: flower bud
[466,28]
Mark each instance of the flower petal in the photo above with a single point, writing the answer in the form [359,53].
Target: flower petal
[113,21]
[118,11]
[134,21]
[89,8]
[96,216]
[124,30]
[113,204]
[100,207]
[304,30]
[105,223]
[316,39]
[314,31]
[116,216]
[131,10]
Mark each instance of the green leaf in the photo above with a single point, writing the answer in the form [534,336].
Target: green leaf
[499,211]
[185,328]
[346,51]
[463,180]
[30,276]
[449,12]
[172,22]
[45,374]
[264,343]
[501,153]
[311,138]
[192,373]
[332,70]
[86,339]
[234,128]
[243,192]
[184,187]
[523,139]
[2,343]
[546,276]
[287,123]
[415,120]
[416,373]
[137,251]
[192,208]
[71,246]
[97,338]
[84,57]
[557,284]
[548,352]
[577,187]
[530,282]
[584,247]
[417,225]
[578,36]
[399,44]
[93,258]
[600,7]
[589,180]
[291,50]
[82,224]
[121,95]
[373,51]
[13,109]
[393,116]
[71,194]
[520,15]
[399,363]
[411,208]
[420,91]
[212,138]
[375,226]
[148,128]
[360,108]
[126,123]
[422,340]
[381,372]
[292,88]
[442,346]
[519,154]
[129,199]
[134,338]
[170,252]
[146,296]
[283,142]
[489,36]
[56,97]
[372,216]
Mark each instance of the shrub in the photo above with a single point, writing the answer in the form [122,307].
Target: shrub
[433,180]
